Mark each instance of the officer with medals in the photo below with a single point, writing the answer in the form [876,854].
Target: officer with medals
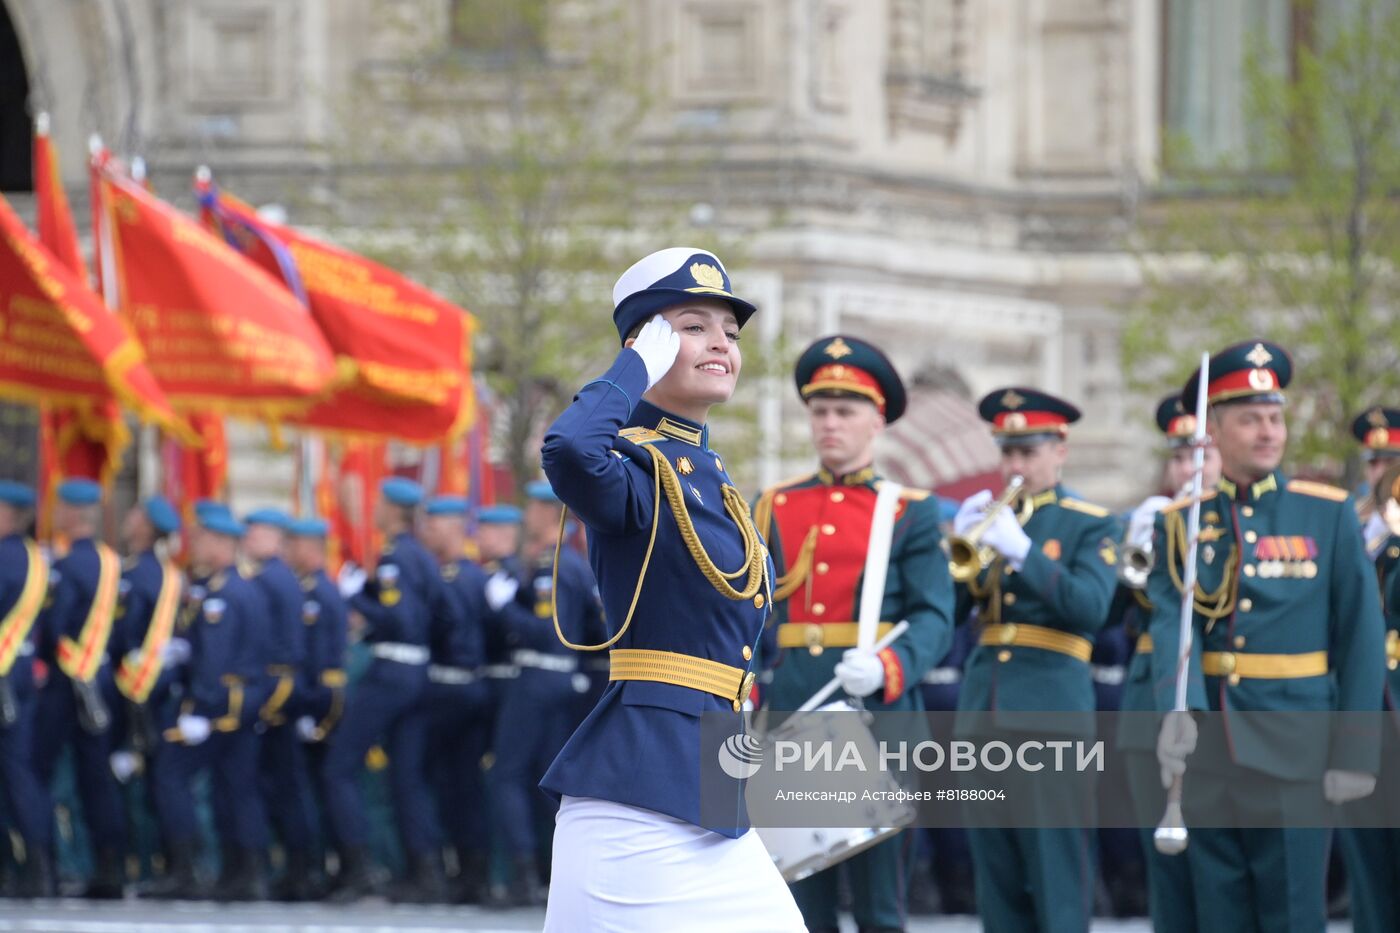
[395,612]
[456,699]
[286,787]
[818,529]
[1169,896]
[1286,619]
[1040,601]
[75,705]
[684,579]
[213,728]
[24,583]
[1373,854]
[322,675]
[536,713]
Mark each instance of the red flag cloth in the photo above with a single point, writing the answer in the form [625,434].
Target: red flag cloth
[362,466]
[404,353]
[194,471]
[222,335]
[58,343]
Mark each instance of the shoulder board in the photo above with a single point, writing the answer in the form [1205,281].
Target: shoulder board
[1320,490]
[640,435]
[789,482]
[1088,508]
[914,495]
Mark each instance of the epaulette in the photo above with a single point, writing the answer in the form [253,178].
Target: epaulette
[914,495]
[1320,490]
[788,483]
[1088,508]
[640,435]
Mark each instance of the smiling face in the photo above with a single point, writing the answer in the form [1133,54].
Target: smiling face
[1251,438]
[706,370]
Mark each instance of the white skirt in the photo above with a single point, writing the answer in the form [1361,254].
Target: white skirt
[619,869]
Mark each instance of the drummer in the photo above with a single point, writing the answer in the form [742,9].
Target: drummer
[631,457]
[818,527]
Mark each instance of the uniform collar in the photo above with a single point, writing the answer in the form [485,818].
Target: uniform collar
[1268,484]
[666,424]
[862,477]
[1045,497]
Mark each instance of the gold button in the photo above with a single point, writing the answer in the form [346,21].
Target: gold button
[719,464]
[1227,662]
[815,650]
[758,601]
[1008,634]
[1247,511]
[1393,551]
[823,566]
[828,529]
[1239,641]
[748,653]
[1251,537]
[1249,570]
[818,609]
[1009,599]
[780,498]
[1392,664]
[1246,604]
[1234,680]
[738,706]
[838,496]
[1003,656]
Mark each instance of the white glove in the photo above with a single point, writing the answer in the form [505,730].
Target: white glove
[1345,786]
[1176,741]
[193,729]
[501,589]
[658,347]
[1008,538]
[175,653]
[124,765]
[351,581]
[861,673]
[1140,524]
[306,728]
[970,512]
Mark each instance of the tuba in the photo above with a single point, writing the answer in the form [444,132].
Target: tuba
[966,555]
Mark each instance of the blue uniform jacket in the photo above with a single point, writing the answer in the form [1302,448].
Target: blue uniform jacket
[286,644]
[324,618]
[399,602]
[640,745]
[142,577]
[226,632]
[528,621]
[14,570]
[73,586]
[462,643]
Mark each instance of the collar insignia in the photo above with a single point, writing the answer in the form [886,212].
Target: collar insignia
[684,467]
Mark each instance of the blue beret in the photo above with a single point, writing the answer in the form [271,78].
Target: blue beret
[216,517]
[274,517]
[16,494]
[498,515]
[80,492]
[162,514]
[541,491]
[311,527]
[446,505]
[401,491]
[670,277]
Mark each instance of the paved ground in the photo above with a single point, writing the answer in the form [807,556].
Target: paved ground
[133,917]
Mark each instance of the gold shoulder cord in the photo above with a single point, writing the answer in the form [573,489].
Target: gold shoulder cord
[1214,605]
[664,475]
[801,568]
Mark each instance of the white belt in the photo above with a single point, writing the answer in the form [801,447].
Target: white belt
[1108,675]
[442,674]
[559,664]
[943,676]
[396,651]
[499,671]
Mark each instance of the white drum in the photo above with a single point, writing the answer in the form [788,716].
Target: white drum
[799,852]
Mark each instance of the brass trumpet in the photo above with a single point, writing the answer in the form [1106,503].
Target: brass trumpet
[1135,565]
[966,555]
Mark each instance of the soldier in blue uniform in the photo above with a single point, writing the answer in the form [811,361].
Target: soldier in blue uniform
[536,712]
[1373,855]
[1041,601]
[1287,618]
[456,698]
[213,724]
[395,612]
[322,675]
[75,704]
[632,458]
[24,580]
[282,769]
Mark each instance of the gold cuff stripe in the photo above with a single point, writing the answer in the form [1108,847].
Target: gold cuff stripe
[1037,636]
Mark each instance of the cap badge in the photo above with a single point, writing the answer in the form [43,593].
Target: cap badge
[1012,399]
[1259,356]
[1186,424]
[684,467]
[707,275]
[1261,378]
[1377,418]
[1379,437]
[838,348]
[1015,421]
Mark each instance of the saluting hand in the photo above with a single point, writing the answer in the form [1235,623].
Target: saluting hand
[658,346]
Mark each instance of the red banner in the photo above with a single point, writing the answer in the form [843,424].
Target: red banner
[362,465]
[222,335]
[403,353]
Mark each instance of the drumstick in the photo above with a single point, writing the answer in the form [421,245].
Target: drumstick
[820,696]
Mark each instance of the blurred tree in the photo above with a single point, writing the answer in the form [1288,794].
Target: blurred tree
[1301,245]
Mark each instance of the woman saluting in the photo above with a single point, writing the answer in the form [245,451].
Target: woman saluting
[685,578]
